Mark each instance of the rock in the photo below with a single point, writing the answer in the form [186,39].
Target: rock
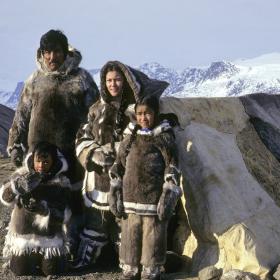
[229,157]
[236,274]
[210,272]
[276,274]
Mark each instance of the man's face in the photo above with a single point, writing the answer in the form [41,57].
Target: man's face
[54,58]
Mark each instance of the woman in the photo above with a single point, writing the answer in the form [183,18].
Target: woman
[97,145]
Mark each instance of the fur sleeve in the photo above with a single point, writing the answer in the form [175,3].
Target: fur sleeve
[118,168]
[85,140]
[19,130]
[170,154]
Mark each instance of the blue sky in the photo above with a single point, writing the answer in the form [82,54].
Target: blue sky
[175,33]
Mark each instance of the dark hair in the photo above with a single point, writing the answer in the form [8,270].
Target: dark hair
[119,122]
[50,40]
[152,102]
[44,148]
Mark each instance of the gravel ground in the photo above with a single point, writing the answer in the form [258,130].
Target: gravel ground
[105,270]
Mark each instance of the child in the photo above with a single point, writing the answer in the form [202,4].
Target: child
[144,191]
[38,192]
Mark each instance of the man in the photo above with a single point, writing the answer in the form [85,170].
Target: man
[53,104]
[54,101]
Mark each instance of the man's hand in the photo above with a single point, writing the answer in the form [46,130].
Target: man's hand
[17,156]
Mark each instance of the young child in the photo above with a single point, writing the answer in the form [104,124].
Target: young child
[39,194]
[144,191]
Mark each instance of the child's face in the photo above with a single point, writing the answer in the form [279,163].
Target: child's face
[43,163]
[145,116]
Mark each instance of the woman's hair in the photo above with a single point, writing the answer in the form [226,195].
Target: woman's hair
[119,122]
[53,38]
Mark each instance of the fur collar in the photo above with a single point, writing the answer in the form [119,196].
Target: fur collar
[71,62]
[162,127]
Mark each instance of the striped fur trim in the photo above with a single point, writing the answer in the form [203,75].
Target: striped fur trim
[18,245]
[140,209]
[83,145]
[96,199]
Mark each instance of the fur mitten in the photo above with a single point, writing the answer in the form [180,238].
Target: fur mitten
[115,198]
[23,184]
[99,160]
[168,200]
[32,205]
[16,156]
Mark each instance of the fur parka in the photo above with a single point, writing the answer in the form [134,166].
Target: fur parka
[143,169]
[33,231]
[100,130]
[52,106]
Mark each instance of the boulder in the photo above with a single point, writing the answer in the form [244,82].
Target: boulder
[229,158]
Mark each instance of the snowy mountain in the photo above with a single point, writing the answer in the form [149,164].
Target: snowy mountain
[244,76]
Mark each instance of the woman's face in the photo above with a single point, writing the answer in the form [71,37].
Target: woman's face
[145,116]
[114,83]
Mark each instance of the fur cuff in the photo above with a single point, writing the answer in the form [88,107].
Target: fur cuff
[116,183]
[17,146]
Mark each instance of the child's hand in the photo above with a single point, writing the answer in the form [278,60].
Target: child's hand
[26,183]
[32,205]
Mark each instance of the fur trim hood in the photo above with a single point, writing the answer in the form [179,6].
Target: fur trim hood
[60,165]
[72,62]
[137,84]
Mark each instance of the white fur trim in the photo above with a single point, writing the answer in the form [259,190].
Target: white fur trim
[101,120]
[67,215]
[13,187]
[94,233]
[21,244]
[64,162]
[140,209]
[82,146]
[42,221]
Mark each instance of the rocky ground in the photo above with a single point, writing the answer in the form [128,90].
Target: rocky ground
[105,270]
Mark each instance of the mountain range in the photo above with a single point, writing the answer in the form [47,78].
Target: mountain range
[221,78]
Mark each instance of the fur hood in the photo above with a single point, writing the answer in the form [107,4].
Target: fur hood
[138,85]
[60,165]
[72,62]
